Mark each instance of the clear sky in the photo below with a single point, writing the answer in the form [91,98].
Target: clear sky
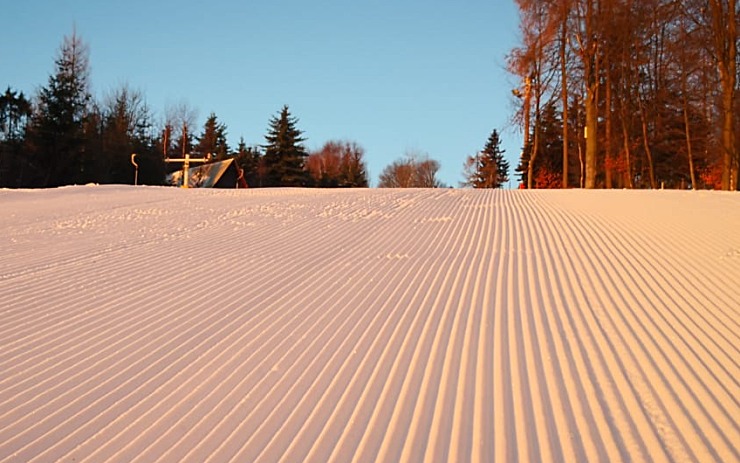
[392,75]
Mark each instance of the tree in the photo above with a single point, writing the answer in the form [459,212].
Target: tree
[563,54]
[338,164]
[548,170]
[413,171]
[123,128]
[589,40]
[489,168]
[647,90]
[56,130]
[323,166]
[353,167]
[212,140]
[251,162]
[534,64]
[724,41]
[179,128]
[285,156]
[15,110]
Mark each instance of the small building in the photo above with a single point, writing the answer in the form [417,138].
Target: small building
[221,174]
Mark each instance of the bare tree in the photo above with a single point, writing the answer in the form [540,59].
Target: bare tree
[413,171]
[181,119]
[564,13]
[338,164]
[534,64]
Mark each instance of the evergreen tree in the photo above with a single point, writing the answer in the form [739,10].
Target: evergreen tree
[548,168]
[57,129]
[285,156]
[489,169]
[353,168]
[213,139]
[125,129]
[15,110]
[249,160]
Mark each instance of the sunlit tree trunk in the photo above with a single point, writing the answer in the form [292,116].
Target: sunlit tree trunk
[589,55]
[687,130]
[564,87]
[535,149]
[725,44]
[608,125]
[527,110]
[646,143]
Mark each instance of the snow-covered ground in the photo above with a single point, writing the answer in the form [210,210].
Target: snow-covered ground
[145,324]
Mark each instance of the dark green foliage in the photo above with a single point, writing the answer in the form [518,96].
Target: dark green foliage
[489,168]
[285,156]
[213,140]
[57,129]
[548,165]
[124,127]
[250,161]
[15,111]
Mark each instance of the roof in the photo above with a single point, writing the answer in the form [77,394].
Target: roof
[211,175]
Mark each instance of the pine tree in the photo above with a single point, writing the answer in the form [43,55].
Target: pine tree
[114,130]
[213,139]
[15,111]
[57,129]
[285,156]
[547,171]
[353,168]
[489,169]
[249,159]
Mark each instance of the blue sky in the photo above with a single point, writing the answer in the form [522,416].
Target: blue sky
[392,75]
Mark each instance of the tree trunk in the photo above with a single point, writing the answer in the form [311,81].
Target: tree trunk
[527,102]
[564,94]
[729,155]
[725,44]
[535,150]
[591,135]
[646,144]
[627,154]
[590,61]
[687,131]
[608,125]
[537,126]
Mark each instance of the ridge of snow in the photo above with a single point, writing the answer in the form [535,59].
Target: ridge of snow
[160,324]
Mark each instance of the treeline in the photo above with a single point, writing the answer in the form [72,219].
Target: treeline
[628,94]
[63,136]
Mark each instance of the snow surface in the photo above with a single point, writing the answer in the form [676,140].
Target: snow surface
[144,324]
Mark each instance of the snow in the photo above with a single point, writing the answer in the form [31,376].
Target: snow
[161,324]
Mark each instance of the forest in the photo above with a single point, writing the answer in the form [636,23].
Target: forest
[628,94]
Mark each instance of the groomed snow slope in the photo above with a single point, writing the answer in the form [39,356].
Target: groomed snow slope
[143,324]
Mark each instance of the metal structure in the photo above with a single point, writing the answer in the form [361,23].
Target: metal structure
[136,172]
[186,167]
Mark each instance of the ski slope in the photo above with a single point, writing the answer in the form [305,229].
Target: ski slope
[160,324]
